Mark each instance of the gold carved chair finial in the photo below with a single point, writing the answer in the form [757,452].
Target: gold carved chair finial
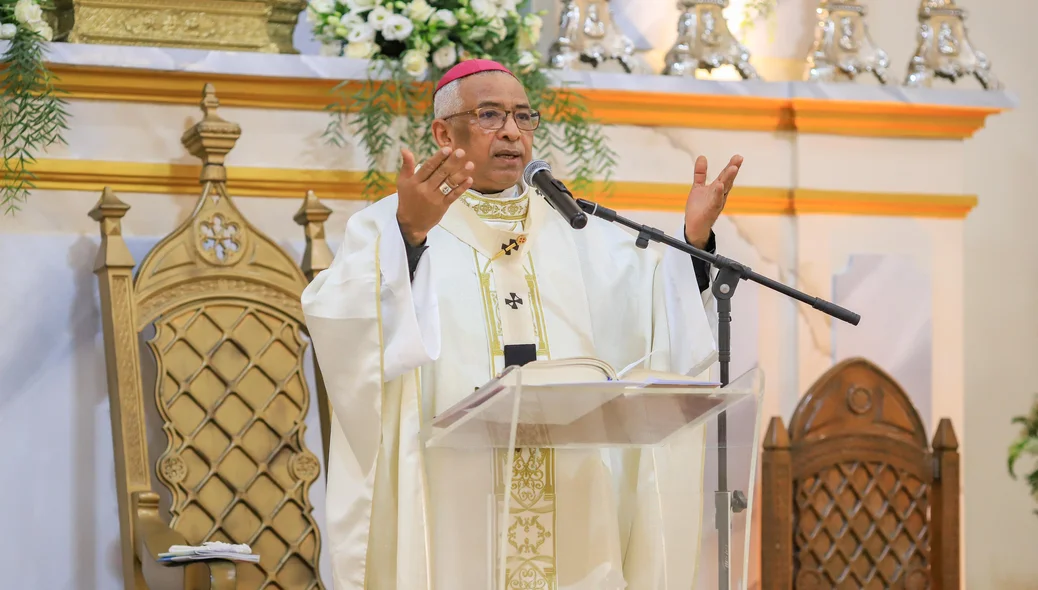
[108,206]
[311,215]
[109,212]
[209,101]
[221,302]
[212,138]
[317,257]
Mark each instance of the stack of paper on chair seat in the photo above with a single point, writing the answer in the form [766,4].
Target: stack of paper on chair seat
[208,550]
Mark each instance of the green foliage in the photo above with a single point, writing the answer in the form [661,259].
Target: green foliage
[1026,444]
[32,112]
[369,113]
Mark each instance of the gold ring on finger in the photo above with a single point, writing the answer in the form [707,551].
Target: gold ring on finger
[446,188]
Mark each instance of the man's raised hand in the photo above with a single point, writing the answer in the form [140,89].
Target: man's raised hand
[422,202]
[706,201]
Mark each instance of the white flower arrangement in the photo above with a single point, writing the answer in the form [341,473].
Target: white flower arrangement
[429,35]
[25,14]
[412,42]
[32,115]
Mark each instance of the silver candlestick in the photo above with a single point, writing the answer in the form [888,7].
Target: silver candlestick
[588,34]
[843,48]
[944,49]
[705,42]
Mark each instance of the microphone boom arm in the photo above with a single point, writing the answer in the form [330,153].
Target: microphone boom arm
[722,264]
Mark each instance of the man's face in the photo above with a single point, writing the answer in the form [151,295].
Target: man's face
[500,155]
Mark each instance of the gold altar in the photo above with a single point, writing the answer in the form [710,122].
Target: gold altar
[263,26]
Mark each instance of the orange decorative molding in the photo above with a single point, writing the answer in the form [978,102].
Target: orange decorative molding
[182,179]
[652,196]
[611,107]
[697,111]
[888,119]
[806,201]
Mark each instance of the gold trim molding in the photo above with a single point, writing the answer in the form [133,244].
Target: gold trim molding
[183,179]
[611,107]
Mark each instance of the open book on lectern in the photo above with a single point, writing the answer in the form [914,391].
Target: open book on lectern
[586,401]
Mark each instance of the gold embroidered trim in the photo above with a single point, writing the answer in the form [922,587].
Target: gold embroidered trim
[497,209]
[531,560]
[492,310]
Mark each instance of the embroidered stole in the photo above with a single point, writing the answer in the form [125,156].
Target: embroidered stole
[500,228]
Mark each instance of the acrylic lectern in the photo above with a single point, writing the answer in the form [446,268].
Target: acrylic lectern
[614,483]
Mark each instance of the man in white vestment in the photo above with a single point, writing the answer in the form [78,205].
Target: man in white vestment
[431,292]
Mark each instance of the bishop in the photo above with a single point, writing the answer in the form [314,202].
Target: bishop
[439,287]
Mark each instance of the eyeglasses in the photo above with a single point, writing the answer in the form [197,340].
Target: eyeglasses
[493,118]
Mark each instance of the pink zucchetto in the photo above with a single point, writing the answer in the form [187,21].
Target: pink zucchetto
[468,68]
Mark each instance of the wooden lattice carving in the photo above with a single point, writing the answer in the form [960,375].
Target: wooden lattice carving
[860,525]
[849,490]
[229,346]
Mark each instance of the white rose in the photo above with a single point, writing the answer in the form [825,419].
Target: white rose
[419,10]
[498,28]
[508,5]
[530,32]
[527,62]
[330,50]
[377,17]
[361,5]
[361,33]
[415,63]
[351,20]
[361,50]
[478,33]
[28,12]
[8,31]
[42,29]
[397,27]
[534,23]
[484,8]
[445,57]
[445,17]
[322,6]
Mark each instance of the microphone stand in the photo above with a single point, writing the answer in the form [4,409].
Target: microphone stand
[729,273]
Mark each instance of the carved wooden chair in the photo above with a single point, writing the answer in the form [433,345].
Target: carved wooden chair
[852,495]
[222,301]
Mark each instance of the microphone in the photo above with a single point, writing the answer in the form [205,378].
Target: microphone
[538,174]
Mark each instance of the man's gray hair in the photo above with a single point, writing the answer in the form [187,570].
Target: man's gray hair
[448,100]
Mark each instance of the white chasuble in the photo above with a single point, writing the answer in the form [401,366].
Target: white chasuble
[395,352]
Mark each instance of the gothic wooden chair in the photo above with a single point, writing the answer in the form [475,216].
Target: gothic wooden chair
[852,495]
[222,300]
